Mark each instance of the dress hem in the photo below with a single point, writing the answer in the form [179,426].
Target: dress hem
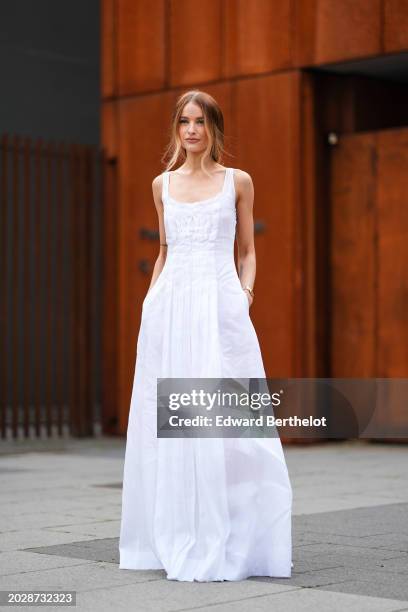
[148,561]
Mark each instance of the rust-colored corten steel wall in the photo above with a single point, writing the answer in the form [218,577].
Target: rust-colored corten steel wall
[369,252]
[250,55]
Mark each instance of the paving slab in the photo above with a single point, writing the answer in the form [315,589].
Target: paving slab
[60,520]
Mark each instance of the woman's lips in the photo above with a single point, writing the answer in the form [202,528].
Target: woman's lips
[192,139]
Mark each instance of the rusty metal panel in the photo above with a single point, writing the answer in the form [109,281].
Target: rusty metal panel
[369,256]
[267,132]
[395,25]
[258,36]
[329,30]
[392,244]
[195,40]
[141,45]
[352,263]
[311,218]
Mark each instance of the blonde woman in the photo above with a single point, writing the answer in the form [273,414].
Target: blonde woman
[204,509]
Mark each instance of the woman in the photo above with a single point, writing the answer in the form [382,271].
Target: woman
[201,509]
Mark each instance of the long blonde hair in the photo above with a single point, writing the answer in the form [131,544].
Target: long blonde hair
[213,123]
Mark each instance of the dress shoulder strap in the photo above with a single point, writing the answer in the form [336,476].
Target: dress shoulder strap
[165,185]
[230,180]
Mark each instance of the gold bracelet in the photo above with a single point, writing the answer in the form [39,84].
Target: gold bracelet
[246,288]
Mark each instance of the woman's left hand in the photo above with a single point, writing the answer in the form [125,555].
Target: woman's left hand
[249,297]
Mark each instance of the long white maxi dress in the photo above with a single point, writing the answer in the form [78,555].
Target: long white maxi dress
[203,509]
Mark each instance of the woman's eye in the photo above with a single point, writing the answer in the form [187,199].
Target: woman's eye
[198,121]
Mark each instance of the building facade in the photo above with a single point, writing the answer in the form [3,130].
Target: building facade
[315,99]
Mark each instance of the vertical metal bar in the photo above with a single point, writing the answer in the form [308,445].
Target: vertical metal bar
[49,151]
[59,304]
[15,284]
[26,286]
[4,369]
[90,288]
[73,357]
[71,335]
[81,304]
[37,284]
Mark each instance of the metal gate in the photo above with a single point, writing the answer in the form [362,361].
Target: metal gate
[51,214]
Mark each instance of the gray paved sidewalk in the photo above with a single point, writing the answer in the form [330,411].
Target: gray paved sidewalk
[61,515]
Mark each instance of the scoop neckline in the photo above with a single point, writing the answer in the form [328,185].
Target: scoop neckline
[217,195]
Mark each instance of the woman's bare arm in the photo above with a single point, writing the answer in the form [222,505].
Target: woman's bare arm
[161,258]
[245,230]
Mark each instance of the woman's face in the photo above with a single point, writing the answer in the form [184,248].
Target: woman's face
[191,128]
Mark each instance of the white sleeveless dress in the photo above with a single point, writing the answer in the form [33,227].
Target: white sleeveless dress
[202,509]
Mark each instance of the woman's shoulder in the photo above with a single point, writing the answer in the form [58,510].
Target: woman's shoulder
[157,183]
[158,180]
[242,179]
[241,175]
[157,187]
